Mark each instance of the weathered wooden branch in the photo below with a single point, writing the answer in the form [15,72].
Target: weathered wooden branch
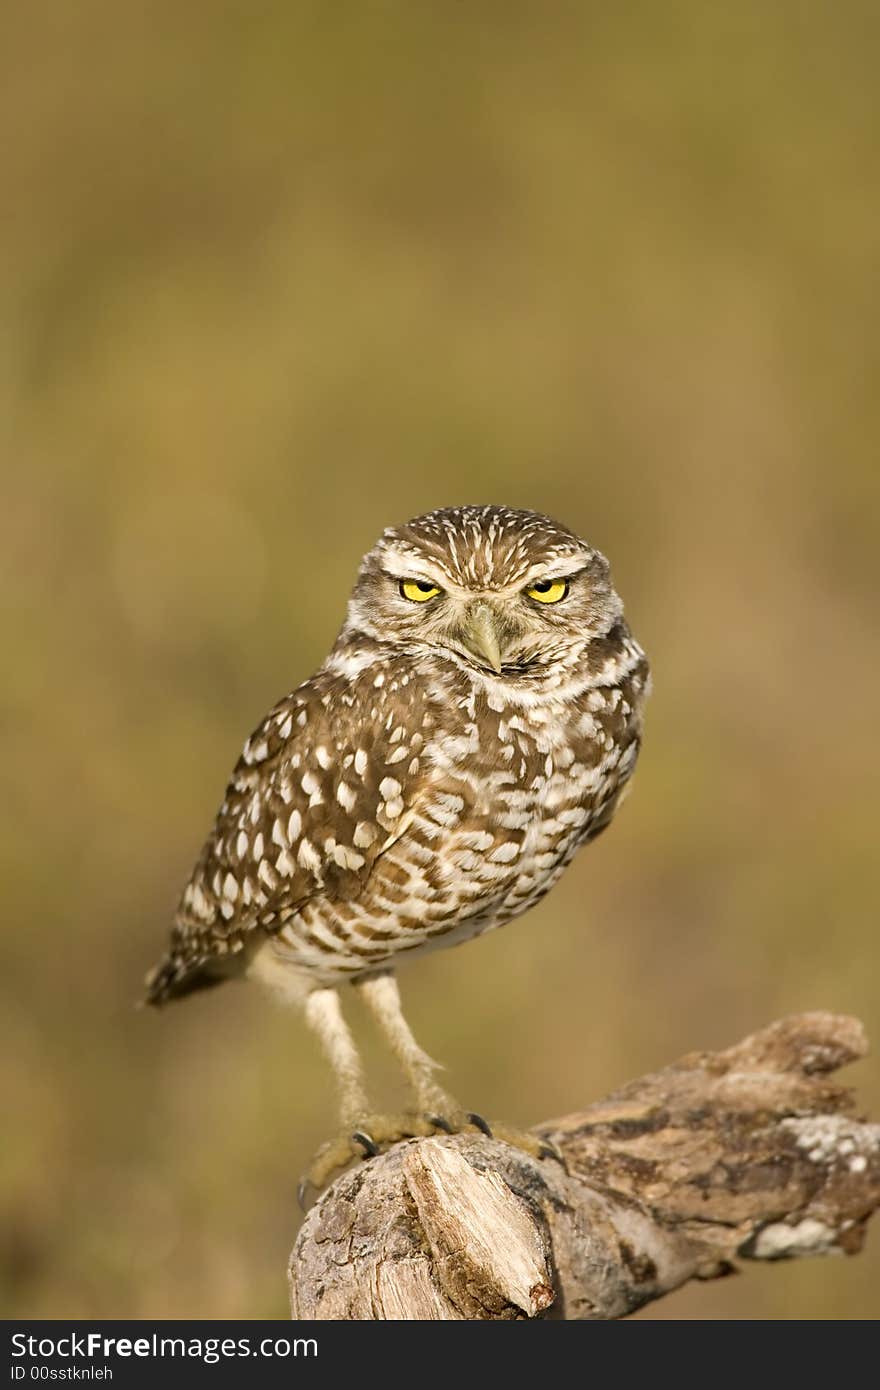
[748,1153]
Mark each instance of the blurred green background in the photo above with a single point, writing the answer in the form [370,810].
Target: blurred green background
[276,275]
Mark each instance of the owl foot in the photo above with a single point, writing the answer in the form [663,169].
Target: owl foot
[370,1135]
[456,1121]
[535,1145]
[374,1133]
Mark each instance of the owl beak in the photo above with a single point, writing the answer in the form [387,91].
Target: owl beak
[480,636]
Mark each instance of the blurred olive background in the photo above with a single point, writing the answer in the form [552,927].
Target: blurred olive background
[275,276]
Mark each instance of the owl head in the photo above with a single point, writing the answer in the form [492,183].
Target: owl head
[509,593]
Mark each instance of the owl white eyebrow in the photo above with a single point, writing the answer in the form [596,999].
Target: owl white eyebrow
[410,578]
[402,572]
[555,578]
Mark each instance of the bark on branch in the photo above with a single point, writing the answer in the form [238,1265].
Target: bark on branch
[750,1153]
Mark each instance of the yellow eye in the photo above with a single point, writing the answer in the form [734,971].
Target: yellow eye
[548,590]
[417,591]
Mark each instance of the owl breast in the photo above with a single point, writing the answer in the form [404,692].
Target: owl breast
[513,792]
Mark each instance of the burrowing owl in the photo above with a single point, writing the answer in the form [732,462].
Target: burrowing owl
[475,723]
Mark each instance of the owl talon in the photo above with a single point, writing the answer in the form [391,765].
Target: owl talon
[535,1145]
[439,1122]
[479,1123]
[374,1134]
[369,1145]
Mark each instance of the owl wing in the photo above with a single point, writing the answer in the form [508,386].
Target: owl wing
[325,784]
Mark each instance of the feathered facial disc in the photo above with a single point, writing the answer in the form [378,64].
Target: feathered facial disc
[508,592]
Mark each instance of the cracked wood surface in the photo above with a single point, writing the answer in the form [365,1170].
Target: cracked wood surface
[749,1153]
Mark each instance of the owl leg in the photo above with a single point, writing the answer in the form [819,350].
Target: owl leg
[324,1016]
[382,997]
[361,1132]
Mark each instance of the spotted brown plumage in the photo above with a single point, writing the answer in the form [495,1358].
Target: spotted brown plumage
[476,721]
